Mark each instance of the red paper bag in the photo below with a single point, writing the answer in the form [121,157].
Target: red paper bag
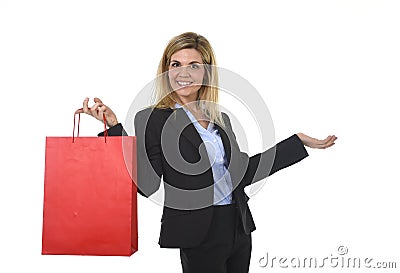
[90,205]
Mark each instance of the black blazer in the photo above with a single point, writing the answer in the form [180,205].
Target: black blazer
[169,146]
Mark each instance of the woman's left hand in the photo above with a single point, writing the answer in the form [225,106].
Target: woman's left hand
[317,143]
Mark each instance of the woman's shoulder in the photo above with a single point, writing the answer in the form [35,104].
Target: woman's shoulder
[224,115]
[153,113]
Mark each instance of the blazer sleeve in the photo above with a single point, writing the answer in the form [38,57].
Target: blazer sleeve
[261,165]
[116,130]
[148,152]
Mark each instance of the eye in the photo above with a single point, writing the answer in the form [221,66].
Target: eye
[174,64]
[194,66]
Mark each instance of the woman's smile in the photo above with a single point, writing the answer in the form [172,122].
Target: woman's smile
[184,83]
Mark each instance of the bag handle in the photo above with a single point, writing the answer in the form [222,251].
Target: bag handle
[79,120]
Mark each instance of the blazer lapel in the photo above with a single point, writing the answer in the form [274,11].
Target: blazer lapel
[225,142]
[182,123]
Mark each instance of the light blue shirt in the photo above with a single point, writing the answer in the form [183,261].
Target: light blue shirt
[218,161]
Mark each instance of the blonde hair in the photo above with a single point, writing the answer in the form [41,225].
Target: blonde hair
[207,96]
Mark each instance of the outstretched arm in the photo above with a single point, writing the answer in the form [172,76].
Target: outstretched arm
[282,155]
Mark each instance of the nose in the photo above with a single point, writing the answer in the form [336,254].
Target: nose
[183,71]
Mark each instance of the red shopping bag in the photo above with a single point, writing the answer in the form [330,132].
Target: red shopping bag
[90,205]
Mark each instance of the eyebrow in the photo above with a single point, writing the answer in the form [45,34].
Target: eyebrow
[192,62]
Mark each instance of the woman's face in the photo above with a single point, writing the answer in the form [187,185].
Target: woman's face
[186,73]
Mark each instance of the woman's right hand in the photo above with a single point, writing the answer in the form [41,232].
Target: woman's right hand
[97,111]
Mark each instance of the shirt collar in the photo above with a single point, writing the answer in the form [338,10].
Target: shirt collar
[177,105]
[196,123]
[190,115]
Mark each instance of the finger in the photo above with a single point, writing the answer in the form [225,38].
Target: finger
[100,113]
[103,108]
[85,106]
[99,103]
[98,100]
[321,142]
[329,145]
[331,139]
[331,142]
[94,109]
[328,140]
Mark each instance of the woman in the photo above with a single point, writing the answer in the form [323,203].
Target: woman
[185,139]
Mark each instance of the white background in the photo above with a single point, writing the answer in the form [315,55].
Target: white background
[322,67]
